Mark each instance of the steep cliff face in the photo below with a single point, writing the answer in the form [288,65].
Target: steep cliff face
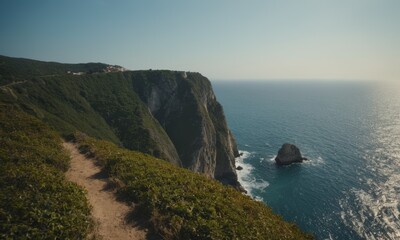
[186,107]
[171,115]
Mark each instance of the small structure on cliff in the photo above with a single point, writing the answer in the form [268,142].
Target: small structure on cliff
[288,154]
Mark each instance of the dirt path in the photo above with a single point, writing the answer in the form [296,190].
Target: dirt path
[106,210]
[13,83]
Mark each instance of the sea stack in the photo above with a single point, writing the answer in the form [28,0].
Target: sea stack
[288,154]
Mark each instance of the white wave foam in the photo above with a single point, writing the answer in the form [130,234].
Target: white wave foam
[314,161]
[245,177]
[310,161]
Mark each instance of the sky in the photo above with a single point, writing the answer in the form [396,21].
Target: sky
[222,39]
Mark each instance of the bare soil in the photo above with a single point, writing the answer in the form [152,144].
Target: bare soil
[110,214]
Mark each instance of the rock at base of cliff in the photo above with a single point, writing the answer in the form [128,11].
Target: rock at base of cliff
[288,154]
[230,179]
[239,168]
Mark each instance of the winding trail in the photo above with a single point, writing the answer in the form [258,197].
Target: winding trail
[108,213]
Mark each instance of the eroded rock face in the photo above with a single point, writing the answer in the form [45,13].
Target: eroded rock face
[187,109]
[288,154]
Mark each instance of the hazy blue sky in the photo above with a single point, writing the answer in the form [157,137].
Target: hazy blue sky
[337,39]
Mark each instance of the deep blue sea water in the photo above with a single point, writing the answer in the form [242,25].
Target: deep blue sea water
[350,131]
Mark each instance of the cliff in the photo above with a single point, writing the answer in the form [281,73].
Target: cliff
[168,114]
[186,107]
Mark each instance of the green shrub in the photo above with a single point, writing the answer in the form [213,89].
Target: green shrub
[184,205]
[25,139]
[36,201]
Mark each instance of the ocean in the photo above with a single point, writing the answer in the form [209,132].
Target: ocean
[349,131]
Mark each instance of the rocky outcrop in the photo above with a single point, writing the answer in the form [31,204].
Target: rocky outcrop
[186,107]
[288,154]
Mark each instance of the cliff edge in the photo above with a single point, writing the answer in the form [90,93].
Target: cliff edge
[169,114]
[186,107]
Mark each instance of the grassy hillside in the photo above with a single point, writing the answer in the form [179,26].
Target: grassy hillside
[181,204]
[36,201]
[102,105]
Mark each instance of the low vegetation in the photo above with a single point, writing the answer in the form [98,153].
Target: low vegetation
[18,69]
[36,201]
[184,205]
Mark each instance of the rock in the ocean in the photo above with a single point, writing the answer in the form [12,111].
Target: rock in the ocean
[239,168]
[288,154]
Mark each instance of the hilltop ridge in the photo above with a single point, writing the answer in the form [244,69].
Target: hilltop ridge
[12,69]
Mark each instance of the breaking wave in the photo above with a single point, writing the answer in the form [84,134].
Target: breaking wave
[246,178]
